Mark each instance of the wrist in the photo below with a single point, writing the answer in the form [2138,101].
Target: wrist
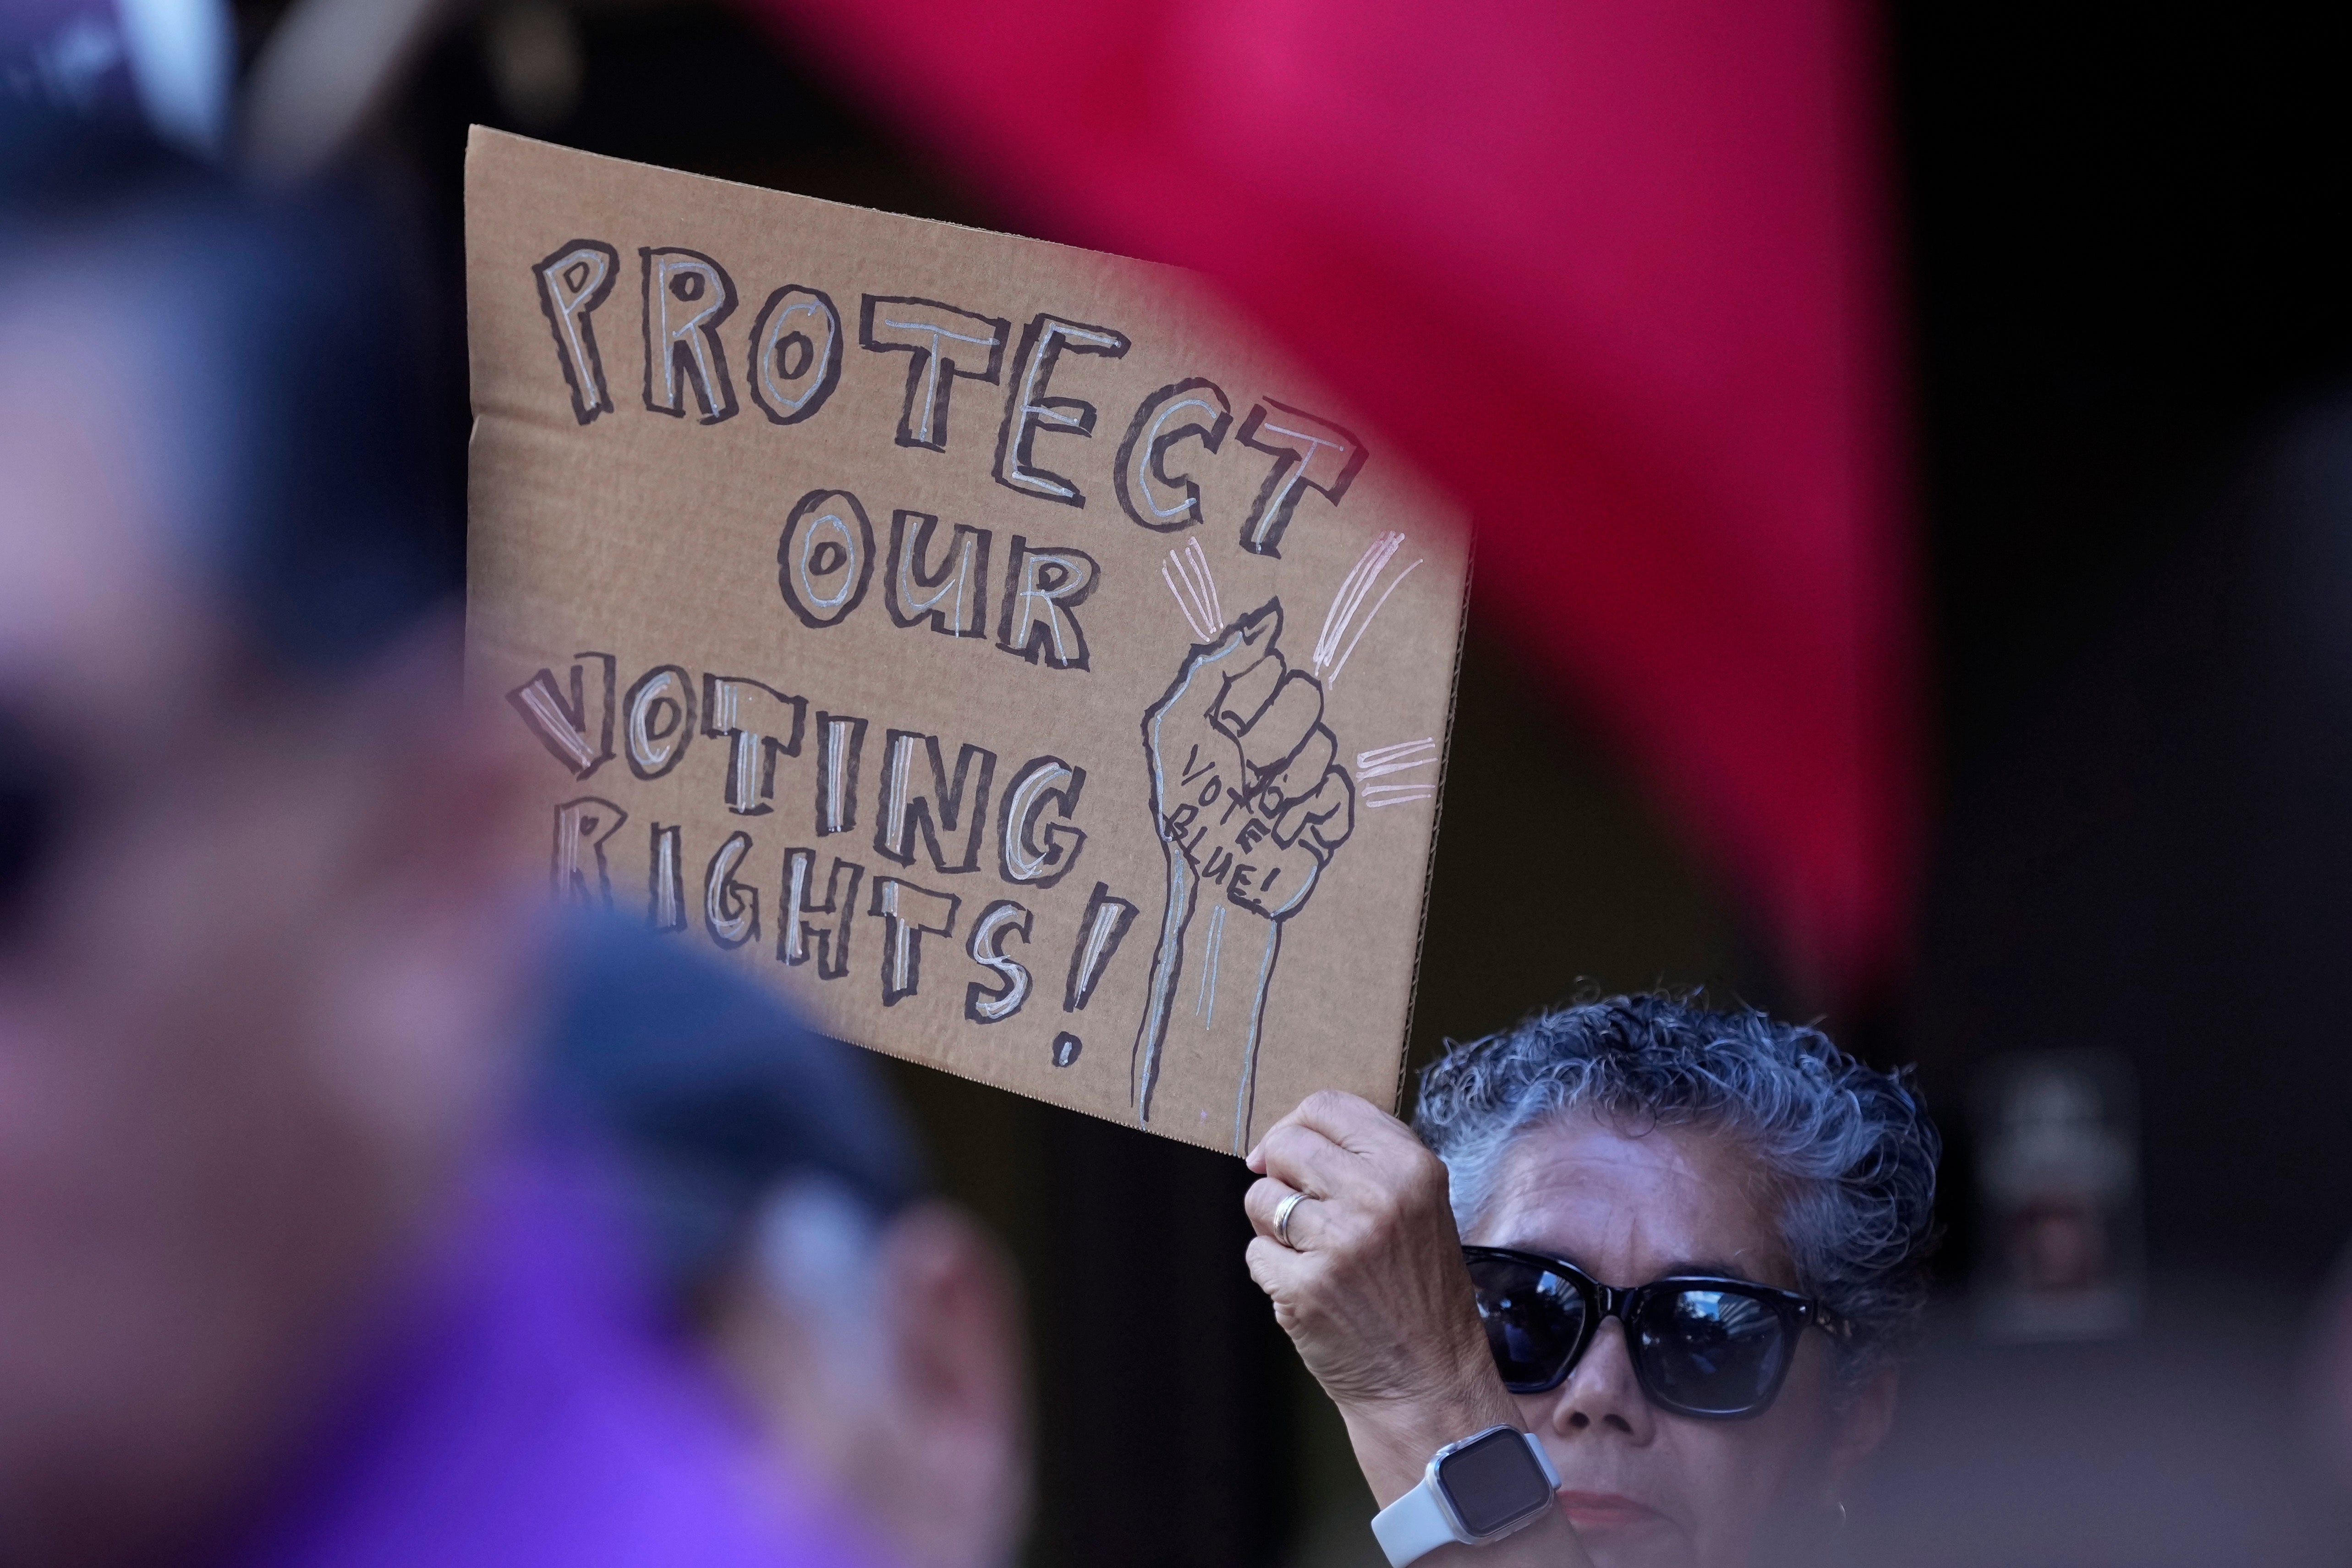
[1480,1491]
[1394,1437]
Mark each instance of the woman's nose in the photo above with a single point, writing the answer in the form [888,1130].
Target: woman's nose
[1602,1392]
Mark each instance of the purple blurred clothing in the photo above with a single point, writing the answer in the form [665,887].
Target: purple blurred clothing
[530,1410]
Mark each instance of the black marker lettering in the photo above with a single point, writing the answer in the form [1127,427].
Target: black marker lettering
[1030,412]
[908,914]
[954,595]
[1309,454]
[798,938]
[1043,588]
[840,741]
[1100,931]
[566,729]
[687,296]
[665,883]
[573,279]
[908,808]
[824,556]
[795,354]
[1148,492]
[983,1004]
[658,720]
[583,827]
[731,910]
[761,724]
[943,344]
[1021,857]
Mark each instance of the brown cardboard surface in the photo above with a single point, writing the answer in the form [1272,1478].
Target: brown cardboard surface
[993,645]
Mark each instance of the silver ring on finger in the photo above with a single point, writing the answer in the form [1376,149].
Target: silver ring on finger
[1282,1220]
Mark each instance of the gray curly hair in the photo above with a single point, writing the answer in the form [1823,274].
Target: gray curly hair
[1851,1149]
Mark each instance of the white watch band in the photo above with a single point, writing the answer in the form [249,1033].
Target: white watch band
[1414,1525]
[1425,1519]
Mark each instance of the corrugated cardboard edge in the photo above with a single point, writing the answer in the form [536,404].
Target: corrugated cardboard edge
[1437,821]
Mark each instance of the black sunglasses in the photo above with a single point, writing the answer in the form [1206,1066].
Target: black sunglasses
[1713,1348]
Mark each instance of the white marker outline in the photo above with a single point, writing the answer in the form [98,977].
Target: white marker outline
[1329,658]
[1402,757]
[1197,595]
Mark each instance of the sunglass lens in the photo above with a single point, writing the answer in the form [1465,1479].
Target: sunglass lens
[1712,1351]
[1535,1321]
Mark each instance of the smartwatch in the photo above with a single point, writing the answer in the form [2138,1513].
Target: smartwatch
[1475,1492]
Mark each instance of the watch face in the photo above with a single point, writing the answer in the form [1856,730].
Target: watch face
[1494,1482]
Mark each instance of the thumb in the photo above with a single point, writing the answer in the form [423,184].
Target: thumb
[1240,648]
[1254,632]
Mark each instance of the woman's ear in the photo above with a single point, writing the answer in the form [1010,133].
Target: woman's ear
[1858,1428]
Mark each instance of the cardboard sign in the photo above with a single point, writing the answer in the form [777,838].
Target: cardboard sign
[990,642]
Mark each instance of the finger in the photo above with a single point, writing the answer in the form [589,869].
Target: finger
[1327,829]
[1349,1121]
[1285,1119]
[1255,1158]
[1245,642]
[1302,775]
[1283,726]
[1263,1204]
[1283,883]
[1264,1196]
[1246,693]
[1310,1163]
[1329,810]
[1255,631]
[1278,1269]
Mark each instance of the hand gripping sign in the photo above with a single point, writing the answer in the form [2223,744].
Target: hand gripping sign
[825,561]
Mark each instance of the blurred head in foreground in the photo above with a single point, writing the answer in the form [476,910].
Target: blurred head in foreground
[287,1276]
[872,1332]
[1773,1196]
[164,64]
[260,951]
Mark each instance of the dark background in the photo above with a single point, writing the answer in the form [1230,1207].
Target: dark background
[2131,320]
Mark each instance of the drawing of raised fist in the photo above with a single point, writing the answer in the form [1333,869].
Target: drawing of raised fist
[1251,803]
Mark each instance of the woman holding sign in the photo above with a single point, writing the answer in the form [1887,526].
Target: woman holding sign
[1694,1242]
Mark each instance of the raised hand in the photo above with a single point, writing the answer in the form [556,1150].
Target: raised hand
[1366,1279]
[1251,803]
[1244,775]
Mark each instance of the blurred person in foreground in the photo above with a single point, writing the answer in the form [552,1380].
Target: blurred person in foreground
[1694,1249]
[287,1277]
[872,1331]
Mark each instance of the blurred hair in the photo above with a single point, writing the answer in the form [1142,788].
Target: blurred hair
[737,1128]
[277,345]
[1849,1148]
